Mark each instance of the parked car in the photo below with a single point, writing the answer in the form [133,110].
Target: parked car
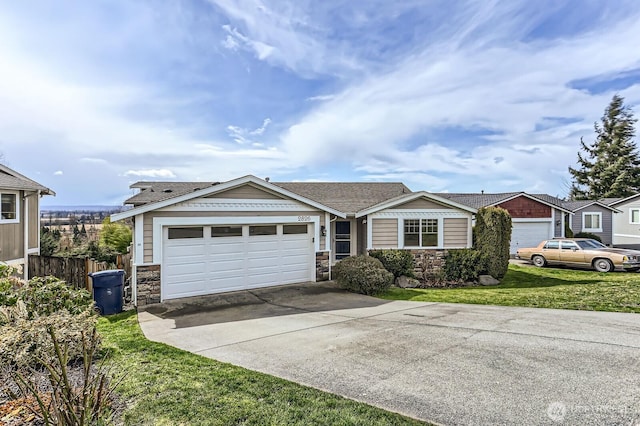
[581,252]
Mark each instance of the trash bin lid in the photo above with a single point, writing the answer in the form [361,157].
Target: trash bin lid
[107,273]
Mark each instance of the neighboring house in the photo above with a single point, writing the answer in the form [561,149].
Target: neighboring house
[19,217]
[196,238]
[535,217]
[594,217]
[626,224]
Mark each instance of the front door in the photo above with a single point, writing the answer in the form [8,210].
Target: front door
[343,239]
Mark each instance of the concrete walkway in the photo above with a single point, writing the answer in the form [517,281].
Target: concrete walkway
[446,363]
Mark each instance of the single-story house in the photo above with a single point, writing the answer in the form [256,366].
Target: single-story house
[196,238]
[19,217]
[626,224]
[592,216]
[535,217]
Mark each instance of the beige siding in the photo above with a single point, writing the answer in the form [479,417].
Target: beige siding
[422,203]
[384,233]
[456,232]
[148,222]
[33,220]
[11,243]
[247,192]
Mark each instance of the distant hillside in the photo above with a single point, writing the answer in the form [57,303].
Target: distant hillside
[84,209]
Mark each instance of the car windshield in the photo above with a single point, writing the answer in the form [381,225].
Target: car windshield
[590,244]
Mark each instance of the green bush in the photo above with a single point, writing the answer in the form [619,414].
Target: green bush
[464,265]
[492,235]
[587,235]
[567,230]
[44,296]
[25,341]
[363,274]
[398,262]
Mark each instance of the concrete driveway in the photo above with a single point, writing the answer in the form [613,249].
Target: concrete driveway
[445,363]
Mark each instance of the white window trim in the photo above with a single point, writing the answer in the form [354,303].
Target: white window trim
[584,228]
[18,202]
[631,222]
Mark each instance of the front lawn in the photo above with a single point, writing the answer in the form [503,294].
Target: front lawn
[163,385]
[542,288]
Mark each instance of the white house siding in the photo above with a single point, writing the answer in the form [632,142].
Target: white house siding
[456,232]
[626,233]
[384,233]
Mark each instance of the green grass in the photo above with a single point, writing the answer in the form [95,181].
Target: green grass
[163,385]
[542,288]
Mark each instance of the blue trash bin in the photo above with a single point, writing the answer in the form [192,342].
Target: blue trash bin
[108,290]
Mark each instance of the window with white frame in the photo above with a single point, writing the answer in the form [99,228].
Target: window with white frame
[592,222]
[421,232]
[634,216]
[8,207]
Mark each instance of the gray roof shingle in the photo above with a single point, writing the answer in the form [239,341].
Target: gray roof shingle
[153,192]
[487,199]
[347,197]
[10,179]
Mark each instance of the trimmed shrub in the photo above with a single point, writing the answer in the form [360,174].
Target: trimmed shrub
[398,262]
[363,274]
[464,265]
[492,235]
[567,230]
[587,235]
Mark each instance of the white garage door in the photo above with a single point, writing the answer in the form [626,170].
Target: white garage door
[201,260]
[529,234]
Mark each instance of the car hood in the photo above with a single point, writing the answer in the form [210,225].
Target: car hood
[624,252]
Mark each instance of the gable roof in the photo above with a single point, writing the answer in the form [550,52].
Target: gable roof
[617,201]
[402,199]
[10,179]
[153,192]
[574,206]
[212,189]
[348,197]
[487,199]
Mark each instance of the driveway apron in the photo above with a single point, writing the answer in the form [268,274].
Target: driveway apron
[451,364]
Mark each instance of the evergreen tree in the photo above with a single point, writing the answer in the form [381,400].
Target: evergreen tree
[610,166]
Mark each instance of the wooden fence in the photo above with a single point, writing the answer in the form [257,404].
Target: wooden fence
[74,270]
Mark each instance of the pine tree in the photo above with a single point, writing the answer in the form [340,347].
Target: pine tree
[610,166]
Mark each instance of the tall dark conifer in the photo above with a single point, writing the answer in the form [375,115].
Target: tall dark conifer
[610,166]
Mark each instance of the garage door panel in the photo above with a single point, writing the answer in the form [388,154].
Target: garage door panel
[529,234]
[219,264]
[236,266]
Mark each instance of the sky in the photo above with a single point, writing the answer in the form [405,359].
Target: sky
[445,96]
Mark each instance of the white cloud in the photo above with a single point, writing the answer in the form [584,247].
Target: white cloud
[58,173]
[241,135]
[152,173]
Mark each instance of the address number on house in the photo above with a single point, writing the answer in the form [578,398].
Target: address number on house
[304,218]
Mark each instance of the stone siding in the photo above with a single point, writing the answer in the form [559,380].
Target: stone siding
[147,285]
[322,266]
[427,264]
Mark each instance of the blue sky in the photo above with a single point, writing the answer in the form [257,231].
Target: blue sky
[456,96]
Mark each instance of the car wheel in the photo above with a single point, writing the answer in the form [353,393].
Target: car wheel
[603,265]
[538,261]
